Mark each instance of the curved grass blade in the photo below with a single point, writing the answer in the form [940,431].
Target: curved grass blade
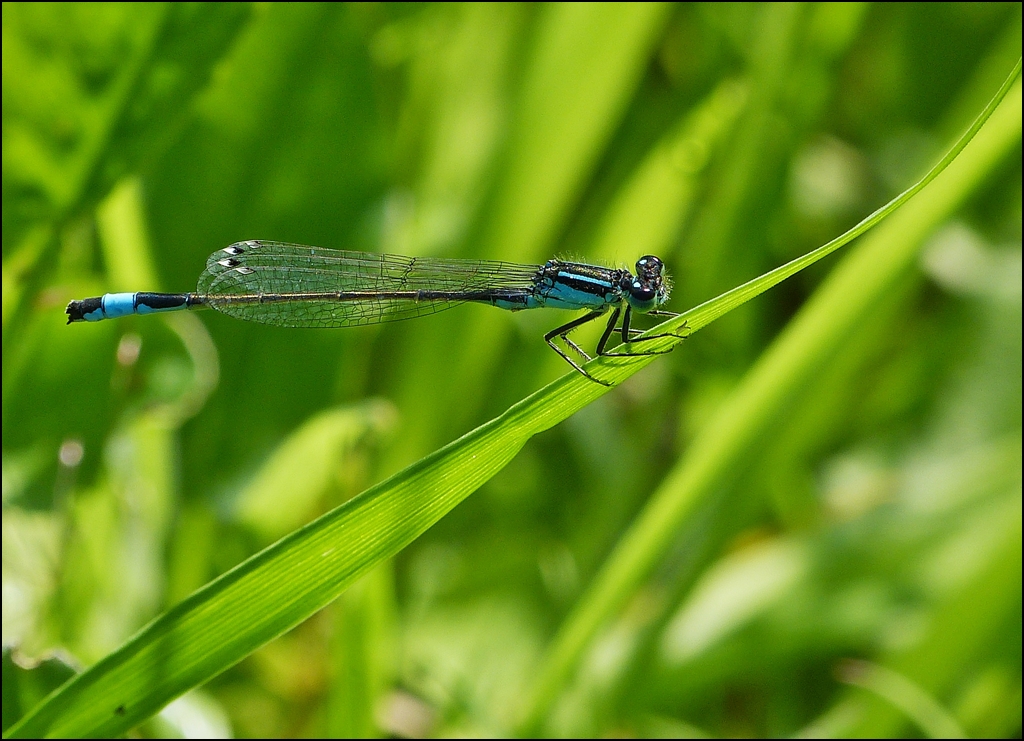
[284,584]
[811,337]
[903,693]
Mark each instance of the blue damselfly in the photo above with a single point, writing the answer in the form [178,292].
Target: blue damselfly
[292,285]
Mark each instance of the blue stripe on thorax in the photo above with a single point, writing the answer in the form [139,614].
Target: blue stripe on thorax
[567,275]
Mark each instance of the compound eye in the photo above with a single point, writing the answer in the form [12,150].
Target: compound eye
[649,265]
[641,292]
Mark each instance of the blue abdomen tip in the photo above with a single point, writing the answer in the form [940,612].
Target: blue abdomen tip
[118,304]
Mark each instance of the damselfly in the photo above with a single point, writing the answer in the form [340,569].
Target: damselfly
[291,285]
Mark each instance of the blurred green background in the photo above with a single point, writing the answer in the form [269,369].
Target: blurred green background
[859,574]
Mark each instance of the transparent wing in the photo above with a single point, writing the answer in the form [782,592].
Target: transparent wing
[292,285]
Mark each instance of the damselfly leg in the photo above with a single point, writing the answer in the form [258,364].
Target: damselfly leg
[629,336]
[563,333]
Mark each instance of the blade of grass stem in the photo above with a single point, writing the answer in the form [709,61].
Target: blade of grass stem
[904,694]
[284,584]
[807,343]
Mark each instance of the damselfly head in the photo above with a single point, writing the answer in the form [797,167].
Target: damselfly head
[649,267]
[650,288]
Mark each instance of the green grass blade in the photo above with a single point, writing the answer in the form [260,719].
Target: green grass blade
[118,125]
[585,64]
[808,342]
[284,584]
[904,694]
[711,310]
